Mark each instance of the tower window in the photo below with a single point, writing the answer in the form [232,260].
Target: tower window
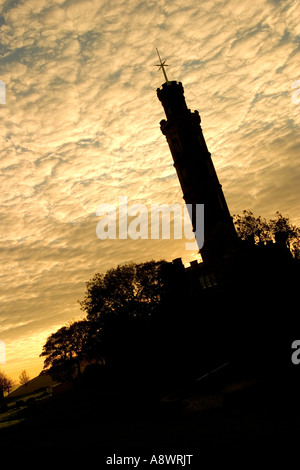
[207,280]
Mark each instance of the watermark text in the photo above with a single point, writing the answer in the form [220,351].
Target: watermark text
[2,92]
[296,94]
[155,221]
[296,354]
[2,352]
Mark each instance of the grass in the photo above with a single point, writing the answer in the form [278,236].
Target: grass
[258,420]
[15,405]
[10,418]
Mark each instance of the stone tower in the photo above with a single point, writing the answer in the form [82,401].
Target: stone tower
[196,172]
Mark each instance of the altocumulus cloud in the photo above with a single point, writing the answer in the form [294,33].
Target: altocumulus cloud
[81,127]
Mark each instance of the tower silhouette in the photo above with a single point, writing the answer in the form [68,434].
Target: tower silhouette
[195,170]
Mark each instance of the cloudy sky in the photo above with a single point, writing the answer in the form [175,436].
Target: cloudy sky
[80,127]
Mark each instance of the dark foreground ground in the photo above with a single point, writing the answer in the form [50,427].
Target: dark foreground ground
[231,422]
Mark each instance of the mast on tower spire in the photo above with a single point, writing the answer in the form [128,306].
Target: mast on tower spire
[162,65]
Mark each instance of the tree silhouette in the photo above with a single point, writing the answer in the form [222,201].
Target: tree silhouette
[121,306]
[6,384]
[24,378]
[131,290]
[64,350]
[252,228]
[127,325]
[259,230]
[286,233]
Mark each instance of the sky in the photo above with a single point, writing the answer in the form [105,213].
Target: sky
[80,128]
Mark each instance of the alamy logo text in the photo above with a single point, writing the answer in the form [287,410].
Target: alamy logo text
[139,221]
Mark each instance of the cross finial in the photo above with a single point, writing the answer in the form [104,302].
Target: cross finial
[162,66]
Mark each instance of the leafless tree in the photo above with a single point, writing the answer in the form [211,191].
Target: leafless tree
[24,378]
[6,384]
